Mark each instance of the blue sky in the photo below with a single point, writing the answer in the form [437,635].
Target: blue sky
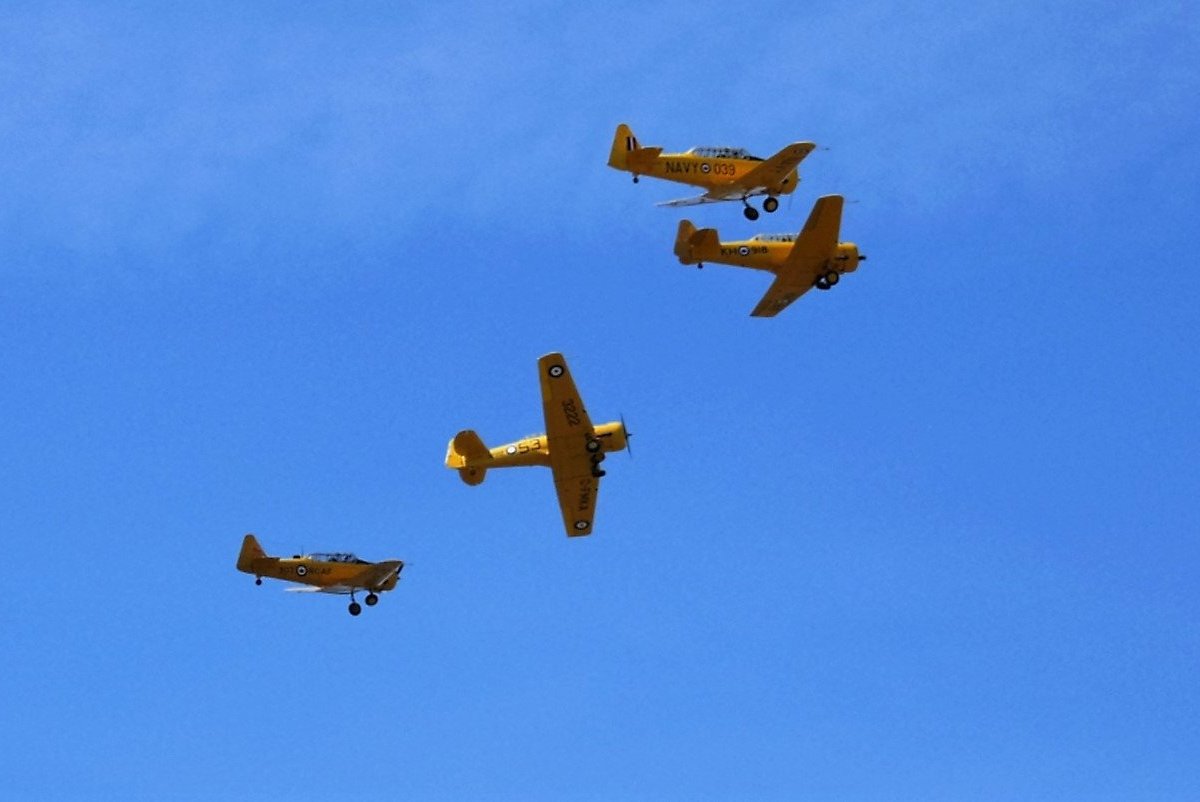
[931,535]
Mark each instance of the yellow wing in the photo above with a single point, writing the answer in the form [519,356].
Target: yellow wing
[566,417]
[808,258]
[568,430]
[779,297]
[577,495]
[770,172]
[819,238]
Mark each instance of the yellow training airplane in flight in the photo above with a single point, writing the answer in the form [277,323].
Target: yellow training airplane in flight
[572,447]
[322,573]
[729,174]
[814,258]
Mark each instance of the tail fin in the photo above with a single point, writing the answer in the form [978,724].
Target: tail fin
[628,154]
[694,245]
[251,551]
[467,454]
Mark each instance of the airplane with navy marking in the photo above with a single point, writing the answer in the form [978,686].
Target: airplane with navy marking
[812,258]
[727,174]
[572,448]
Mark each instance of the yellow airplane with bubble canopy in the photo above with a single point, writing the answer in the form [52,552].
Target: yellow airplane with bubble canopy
[728,174]
[337,572]
[572,448]
[812,258]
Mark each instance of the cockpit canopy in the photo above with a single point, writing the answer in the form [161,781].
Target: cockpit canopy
[723,153]
[774,238]
[334,557]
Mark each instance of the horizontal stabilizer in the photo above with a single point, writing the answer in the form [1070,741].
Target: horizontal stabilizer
[466,448]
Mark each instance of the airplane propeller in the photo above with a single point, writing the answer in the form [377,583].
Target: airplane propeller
[628,437]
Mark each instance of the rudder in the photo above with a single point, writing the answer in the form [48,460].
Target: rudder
[250,552]
[624,142]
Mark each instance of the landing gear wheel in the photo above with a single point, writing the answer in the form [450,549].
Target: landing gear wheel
[832,277]
[770,205]
[371,600]
[355,608]
[258,580]
[750,212]
[635,179]
[593,446]
[821,284]
[597,473]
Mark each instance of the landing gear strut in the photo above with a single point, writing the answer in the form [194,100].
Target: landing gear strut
[827,280]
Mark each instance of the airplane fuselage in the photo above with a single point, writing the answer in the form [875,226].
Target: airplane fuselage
[770,256]
[709,172]
[535,449]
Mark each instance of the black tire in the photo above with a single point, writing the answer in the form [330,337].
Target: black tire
[770,205]
[820,284]
[750,212]
[355,608]
[371,600]
[258,580]
[832,277]
[593,446]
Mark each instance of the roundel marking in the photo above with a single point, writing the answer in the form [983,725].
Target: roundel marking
[510,450]
[301,570]
[744,251]
[555,371]
[704,168]
[581,525]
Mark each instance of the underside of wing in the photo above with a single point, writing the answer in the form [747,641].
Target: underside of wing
[566,419]
[339,589]
[772,171]
[780,296]
[720,195]
[569,431]
[577,492]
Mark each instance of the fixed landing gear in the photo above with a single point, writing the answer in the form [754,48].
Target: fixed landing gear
[371,600]
[597,458]
[770,204]
[258,580]
[593,446]
[827,280]
[635,179]
[750,212]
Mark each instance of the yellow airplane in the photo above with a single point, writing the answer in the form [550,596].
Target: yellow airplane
[813,258]
[729,174]
[344,574]
[571,447]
